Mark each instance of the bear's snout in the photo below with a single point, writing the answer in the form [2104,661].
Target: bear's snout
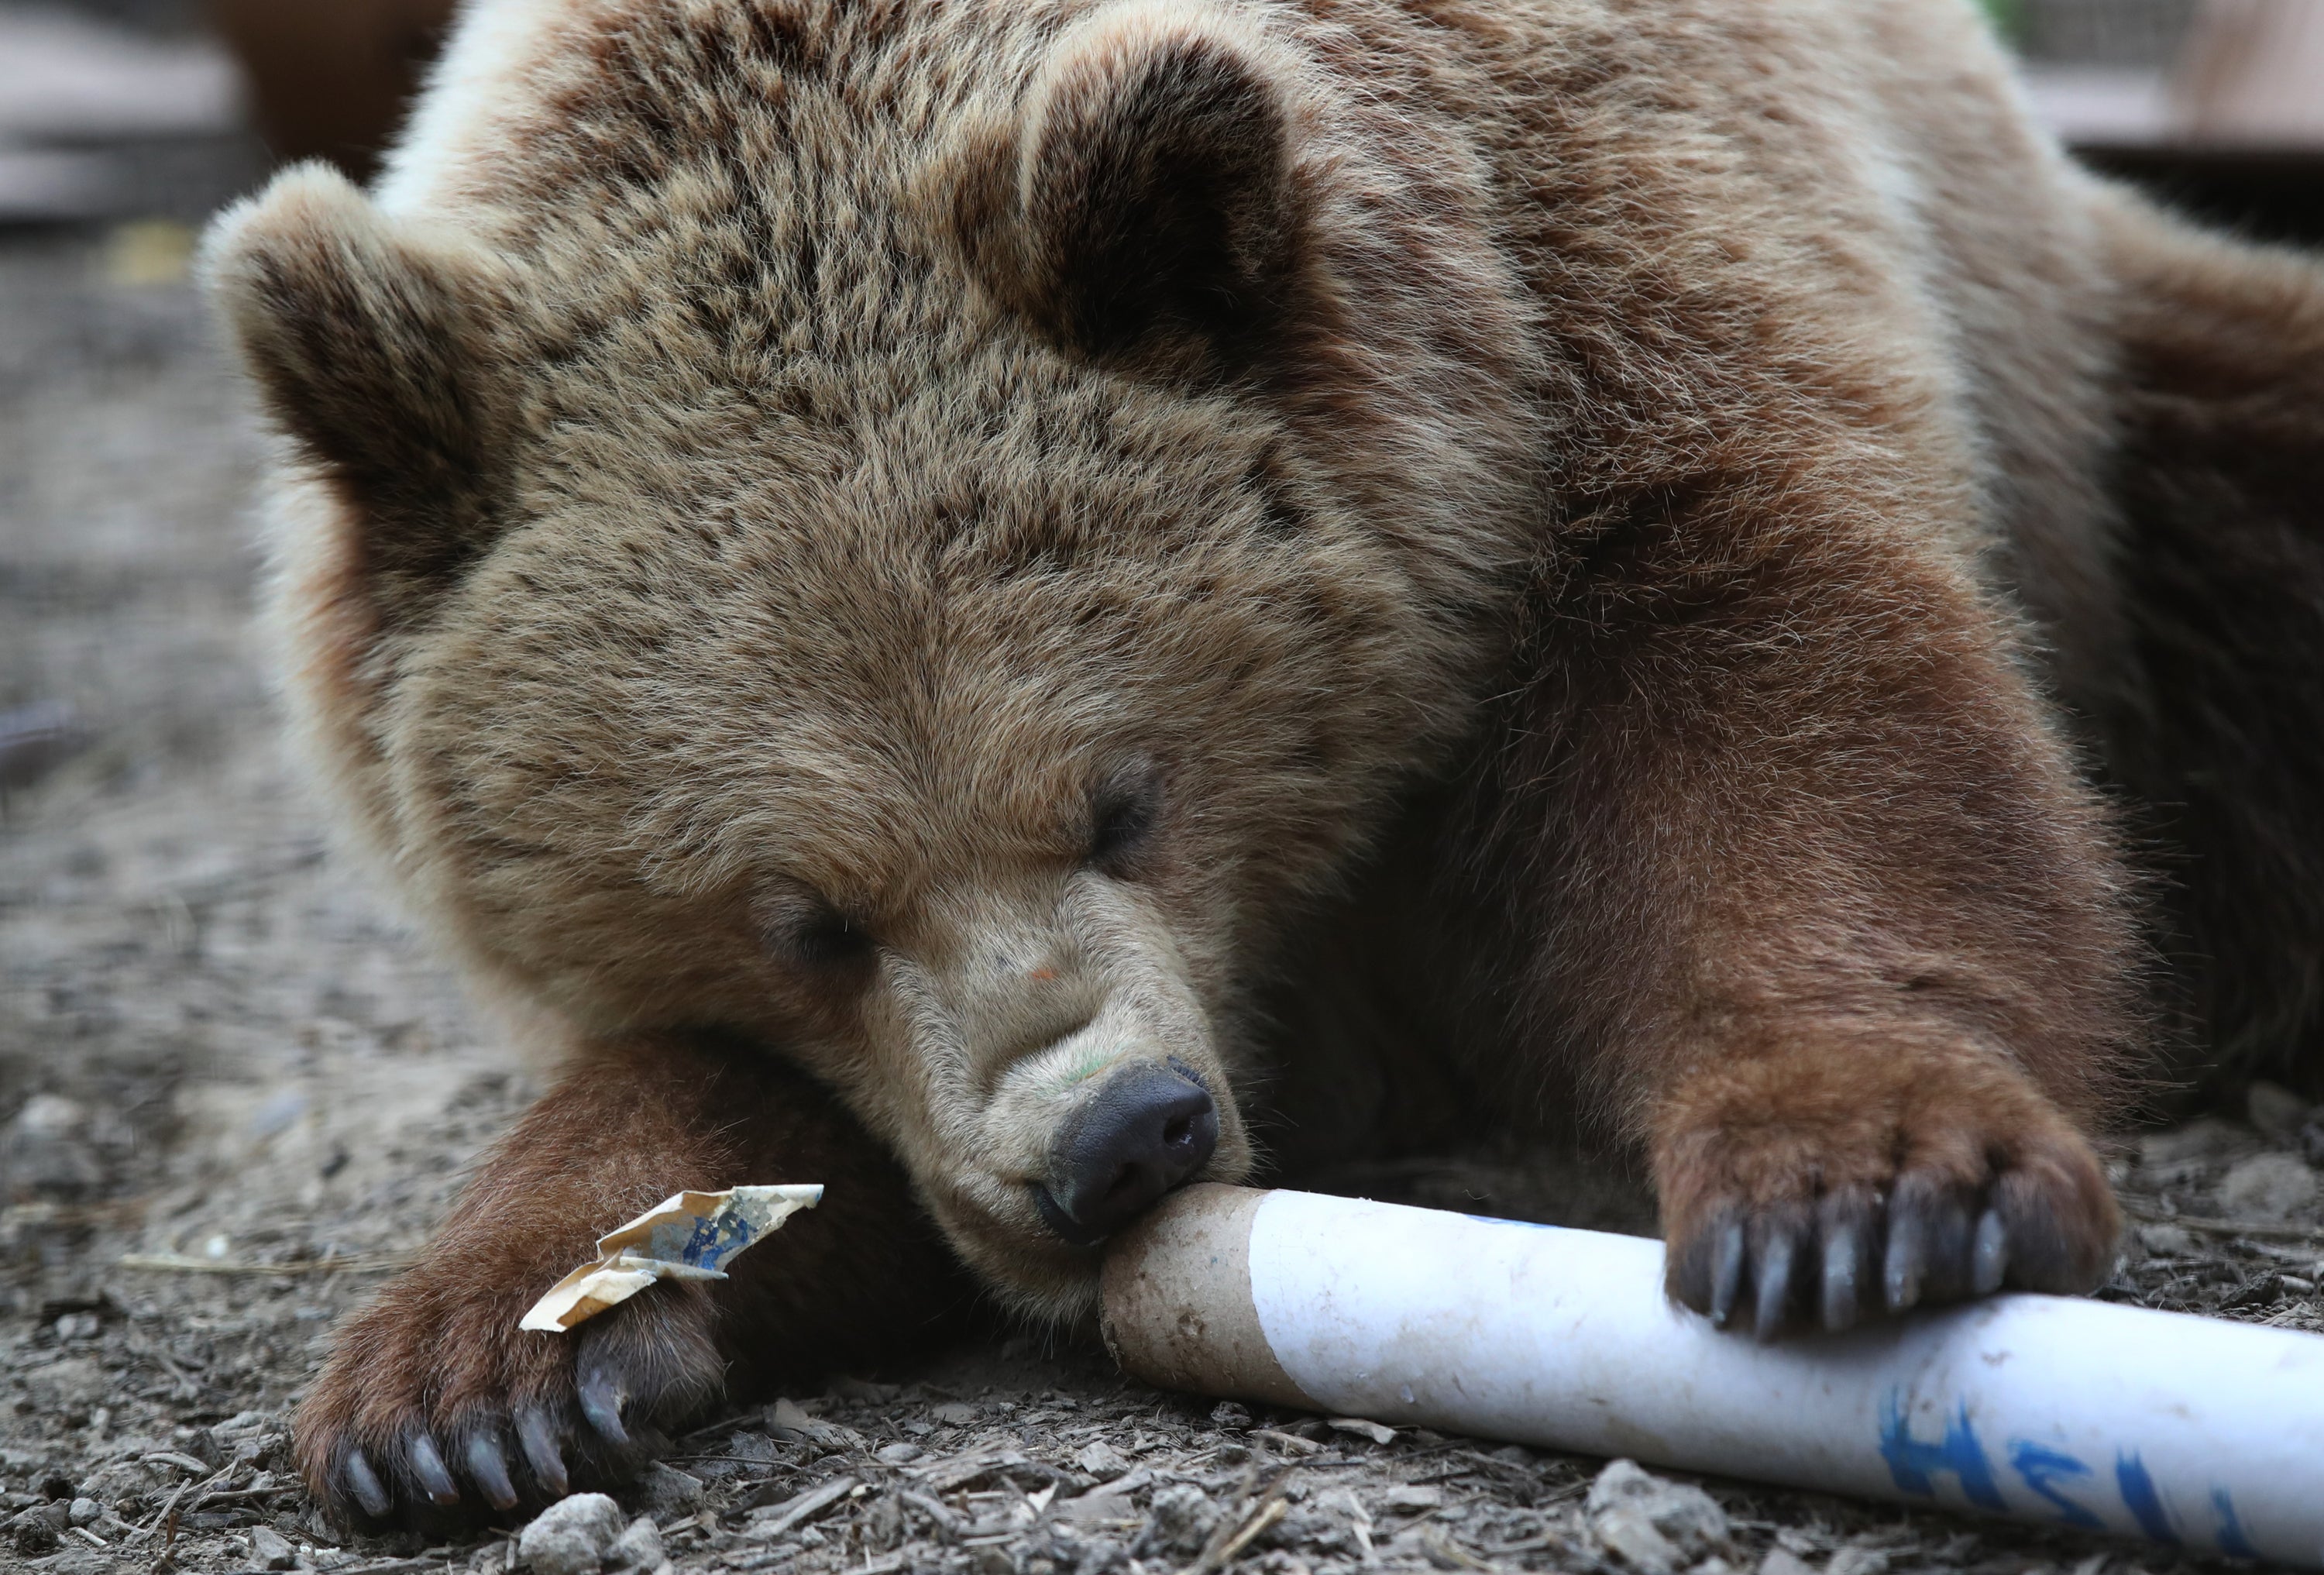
[1146,1128]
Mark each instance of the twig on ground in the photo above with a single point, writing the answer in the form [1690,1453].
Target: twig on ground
[240,1495]
[2251,1228]
[1234,1536]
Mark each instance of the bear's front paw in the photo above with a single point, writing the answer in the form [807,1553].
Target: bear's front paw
[1803,1190]
[435,1407]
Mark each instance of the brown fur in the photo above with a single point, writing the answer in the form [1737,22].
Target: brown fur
[1590,526]
[2223,447]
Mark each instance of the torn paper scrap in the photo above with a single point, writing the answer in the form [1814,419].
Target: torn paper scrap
[689,1237]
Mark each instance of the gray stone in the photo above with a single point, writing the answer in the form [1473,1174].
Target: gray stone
[2166,1241]
[1101,1460]
[638,1548]
[1784,1561]
[2267,1186]
[1628,1532]
[665,1487]
[86,1512]
[72,1385]
[2187,1150]
[900,1454]
[269,1551]
[571,1536]
[34,1530]
[1179,1522]
[1685,1518]
[788,1422]
[2276,1110]
[45,1151]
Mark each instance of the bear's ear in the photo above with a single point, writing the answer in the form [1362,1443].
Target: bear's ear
[1156,191]
[372,350]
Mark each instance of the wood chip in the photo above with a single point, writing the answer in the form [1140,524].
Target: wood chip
[780,1518]
[1236,1533]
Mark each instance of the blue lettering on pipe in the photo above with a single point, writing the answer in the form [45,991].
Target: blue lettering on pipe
[2232,1540]
[1914,1463]
[2138,1494]
[2042,1468]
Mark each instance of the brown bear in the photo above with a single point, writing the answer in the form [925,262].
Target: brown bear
[1005,604]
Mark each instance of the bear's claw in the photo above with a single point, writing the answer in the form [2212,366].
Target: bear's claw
[415,1416]
[536,1435]
[1818,1272]
[487,1463]
[1788,1210]
[356,1480]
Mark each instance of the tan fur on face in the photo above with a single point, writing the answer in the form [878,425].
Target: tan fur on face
[778,603]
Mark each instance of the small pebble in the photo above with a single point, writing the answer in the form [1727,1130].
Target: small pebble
[571,1536]
[788,1422]
[665,1487]
[2203,1141]
[1181,1520]
[2276,1110]
[2267,1187]
[1627,1502]
[1101,1460]
[34,1530]
[638,1548]
[269,1551]
[1626,1530]
[2166,1241]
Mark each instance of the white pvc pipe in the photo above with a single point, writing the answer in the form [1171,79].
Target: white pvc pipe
[2191,1432]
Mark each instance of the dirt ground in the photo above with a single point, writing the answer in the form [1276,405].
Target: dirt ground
[232,1090]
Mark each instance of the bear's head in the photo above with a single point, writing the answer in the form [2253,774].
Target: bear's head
[930,579]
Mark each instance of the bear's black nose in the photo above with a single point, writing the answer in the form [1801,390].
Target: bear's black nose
[1146,1128]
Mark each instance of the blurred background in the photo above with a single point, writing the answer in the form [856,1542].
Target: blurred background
[114,110]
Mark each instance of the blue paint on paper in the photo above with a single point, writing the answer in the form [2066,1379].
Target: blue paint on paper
[714,1239]
[2231,1539]
[2042,1468]
[2139,1496]
[1915,1464]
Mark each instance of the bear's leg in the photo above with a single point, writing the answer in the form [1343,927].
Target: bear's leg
[2220,482]
[1790,869]
[435,1405]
